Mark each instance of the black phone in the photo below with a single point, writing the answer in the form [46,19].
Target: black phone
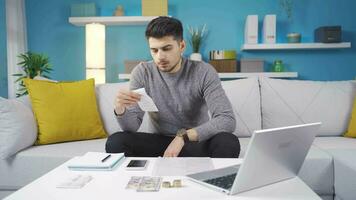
[137,165]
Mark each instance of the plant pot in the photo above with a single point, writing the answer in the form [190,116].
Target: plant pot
[196,57]
[294,37]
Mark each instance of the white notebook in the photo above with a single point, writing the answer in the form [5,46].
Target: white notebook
[96,161]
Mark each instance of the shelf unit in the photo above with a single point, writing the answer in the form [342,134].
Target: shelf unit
[112,21]
[290,46]
[242,75]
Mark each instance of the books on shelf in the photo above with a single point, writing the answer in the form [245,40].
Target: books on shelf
[96,161]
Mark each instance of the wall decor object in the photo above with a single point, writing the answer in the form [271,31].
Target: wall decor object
[227,65]
[269,29]
[119,11]
[278,66]
[251,29]
[294,37]
[131,64]
[154,7]
[251,65]
[222,54]
[328,34]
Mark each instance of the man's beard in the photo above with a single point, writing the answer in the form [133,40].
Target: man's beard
[170,69]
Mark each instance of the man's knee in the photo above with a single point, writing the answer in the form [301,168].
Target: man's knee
[117,142]
[225,145]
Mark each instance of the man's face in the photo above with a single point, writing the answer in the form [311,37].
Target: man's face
[166,53]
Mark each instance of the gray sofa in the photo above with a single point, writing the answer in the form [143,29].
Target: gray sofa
[258,103]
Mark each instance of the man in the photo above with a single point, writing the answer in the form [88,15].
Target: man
[184,91]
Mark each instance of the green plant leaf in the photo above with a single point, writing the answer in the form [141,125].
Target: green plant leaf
[32,64]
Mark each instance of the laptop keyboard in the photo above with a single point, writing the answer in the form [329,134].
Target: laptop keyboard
[223,182]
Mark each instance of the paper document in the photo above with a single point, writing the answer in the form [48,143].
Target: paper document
[146,103]
[181,166]
[75,181]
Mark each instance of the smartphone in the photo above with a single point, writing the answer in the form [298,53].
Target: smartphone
[137,165]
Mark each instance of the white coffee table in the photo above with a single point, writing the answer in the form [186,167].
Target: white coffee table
[109,185]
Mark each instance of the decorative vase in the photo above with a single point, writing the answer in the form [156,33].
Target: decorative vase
[119,11]
[196,57]
[278,66]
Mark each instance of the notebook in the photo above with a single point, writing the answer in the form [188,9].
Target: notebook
[96,161]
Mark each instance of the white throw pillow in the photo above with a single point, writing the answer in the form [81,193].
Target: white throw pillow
[244,95]
[291,102]
[18,129]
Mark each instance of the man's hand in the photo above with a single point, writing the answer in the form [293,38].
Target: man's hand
[174,147]
[124,99]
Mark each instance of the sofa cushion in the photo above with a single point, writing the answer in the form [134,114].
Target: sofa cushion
[106,95]
[345,173]
[291,102]
[337,142]
[29,164]
[65,111]
[244,96]
[18,128]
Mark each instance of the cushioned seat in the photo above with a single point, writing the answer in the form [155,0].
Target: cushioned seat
[345,173]
[33,162]
[336,142]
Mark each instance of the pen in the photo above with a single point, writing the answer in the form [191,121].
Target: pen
[108,156]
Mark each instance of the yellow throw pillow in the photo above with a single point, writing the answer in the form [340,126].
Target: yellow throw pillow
[65,111]
[351,131]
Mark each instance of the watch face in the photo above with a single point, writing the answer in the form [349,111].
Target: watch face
[181,132]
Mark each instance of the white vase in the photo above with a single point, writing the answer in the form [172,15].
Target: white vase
[196,57]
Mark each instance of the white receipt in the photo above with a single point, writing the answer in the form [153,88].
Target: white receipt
[75,181]
[146,103]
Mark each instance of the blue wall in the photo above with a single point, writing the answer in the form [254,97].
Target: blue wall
[3,61]
[49,32]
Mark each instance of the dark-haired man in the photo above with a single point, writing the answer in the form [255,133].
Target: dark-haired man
[184,91]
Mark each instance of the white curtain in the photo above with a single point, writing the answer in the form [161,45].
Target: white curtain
[16,40]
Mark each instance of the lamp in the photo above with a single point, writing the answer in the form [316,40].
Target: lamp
[95,52]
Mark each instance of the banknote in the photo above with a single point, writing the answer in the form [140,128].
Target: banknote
[149,184]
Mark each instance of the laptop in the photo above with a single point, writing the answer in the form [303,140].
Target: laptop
[272,155]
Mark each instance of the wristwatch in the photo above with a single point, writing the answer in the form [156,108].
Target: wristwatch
[184,134]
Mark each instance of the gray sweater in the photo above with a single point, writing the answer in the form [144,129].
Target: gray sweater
[183,100]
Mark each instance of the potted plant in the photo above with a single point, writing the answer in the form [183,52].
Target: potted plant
[196,38]
[32,64]
[287,6]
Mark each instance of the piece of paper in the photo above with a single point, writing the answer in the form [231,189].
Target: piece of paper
[146,103]
[181,166]
[75,181]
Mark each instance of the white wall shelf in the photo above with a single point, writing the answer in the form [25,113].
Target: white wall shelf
[242,75]
[286,46]
[112,21]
